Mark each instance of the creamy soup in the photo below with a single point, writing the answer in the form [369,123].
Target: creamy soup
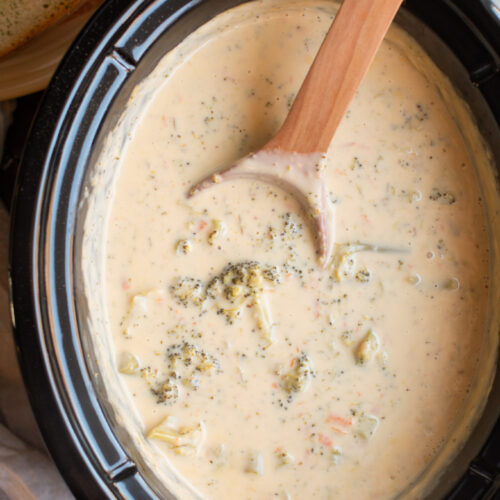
[254,371]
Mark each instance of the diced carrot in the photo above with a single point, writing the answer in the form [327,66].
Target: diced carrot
[325,440]
[337,429]
[338,420]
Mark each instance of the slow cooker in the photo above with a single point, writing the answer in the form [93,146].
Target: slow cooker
[119,46]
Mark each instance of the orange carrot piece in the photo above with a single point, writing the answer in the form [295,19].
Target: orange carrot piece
[325,440]
[338,420]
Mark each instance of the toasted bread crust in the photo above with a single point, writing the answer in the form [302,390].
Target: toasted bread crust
[21,20]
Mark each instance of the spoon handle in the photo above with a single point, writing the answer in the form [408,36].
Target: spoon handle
[341,63]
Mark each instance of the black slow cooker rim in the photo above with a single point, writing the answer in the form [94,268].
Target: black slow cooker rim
[74,449]
[86,451]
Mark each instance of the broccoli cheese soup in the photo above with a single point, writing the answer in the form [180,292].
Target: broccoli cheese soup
[251,372]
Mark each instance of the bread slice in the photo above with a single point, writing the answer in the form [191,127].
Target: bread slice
[21,20]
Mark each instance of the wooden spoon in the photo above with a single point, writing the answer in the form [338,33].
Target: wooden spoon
[294,158]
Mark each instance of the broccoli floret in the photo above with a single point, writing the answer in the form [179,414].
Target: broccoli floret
[192,382]
[336,454]
[183,247]
[182,440]
[238,282]
[233,292]
[244,278]
[343,261]
[166,392]
[366,426]
[215,288]
[264,319]
[346,338]
[368,347]
[129,363]
[188,291]
[445,197]
[233,287]
[149,375]
[272,274]
[138,311]
[291,229]
[192,356]
[356,164]
[255,464]
[231,313]
[299,377]
[363,276]
[284,458]
[218,232]
[187,362]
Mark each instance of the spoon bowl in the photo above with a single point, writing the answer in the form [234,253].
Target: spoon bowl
[294,159]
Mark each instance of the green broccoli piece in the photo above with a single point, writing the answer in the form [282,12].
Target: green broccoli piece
[188,291]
